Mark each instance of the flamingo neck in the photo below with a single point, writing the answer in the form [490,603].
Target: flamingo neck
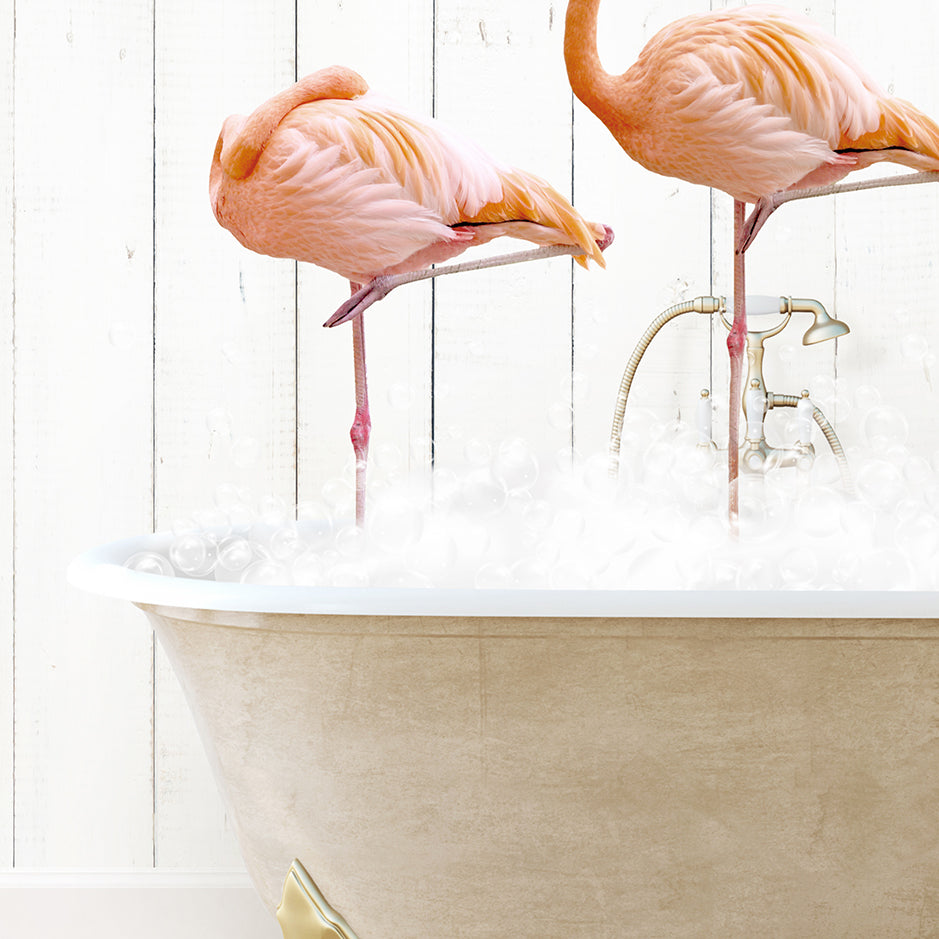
[589,81]
[240,154]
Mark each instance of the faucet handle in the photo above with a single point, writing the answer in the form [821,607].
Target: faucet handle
[805,414]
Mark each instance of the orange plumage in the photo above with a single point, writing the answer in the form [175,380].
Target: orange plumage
[751,101]
[327,173]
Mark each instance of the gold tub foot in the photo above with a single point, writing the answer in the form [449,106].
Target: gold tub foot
[304,913]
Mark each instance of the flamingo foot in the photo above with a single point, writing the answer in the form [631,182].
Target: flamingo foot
[607,239]
[376,289]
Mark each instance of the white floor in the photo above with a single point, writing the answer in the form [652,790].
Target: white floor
[142,905]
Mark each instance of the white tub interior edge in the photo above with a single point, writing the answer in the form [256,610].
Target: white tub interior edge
[101,571]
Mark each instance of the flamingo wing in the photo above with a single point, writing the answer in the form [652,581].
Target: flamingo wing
[772,98]
[360,187]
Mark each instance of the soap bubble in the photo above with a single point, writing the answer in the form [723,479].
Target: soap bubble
[866,397]
[477,452]
[657,462]
[508,521]
[388,460]
[568,525]
[569,575]
[150,562]
[435,553]
[881,484]
[799,567]
[193,554]
[914,347]
[514,465]
[235,554]
[885,426]
[818,511]
[884,569]
[348,575]
[350,541]
[655,569]
[918,536]
[482,495]
[273,510]
[537,515]
[858,520]
[918,472]
[493,576]
[308,569]
[267,573]
[598,483]
[316,523]
[339,495]
[286,542]
[400,579]
[758,573]
[213,522]
[528,573]
[561,416]
[395,522]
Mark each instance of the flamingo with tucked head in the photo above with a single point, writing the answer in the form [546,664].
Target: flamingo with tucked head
[327,173]
[756,102]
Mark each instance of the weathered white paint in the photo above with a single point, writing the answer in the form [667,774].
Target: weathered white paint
[6,436]
[140,389]
[225,349]
[83,151]
[503,337]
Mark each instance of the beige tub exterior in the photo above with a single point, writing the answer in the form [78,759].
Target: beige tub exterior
[447,777]
[544,777]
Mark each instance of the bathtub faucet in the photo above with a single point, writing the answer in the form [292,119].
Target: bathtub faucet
[757,455]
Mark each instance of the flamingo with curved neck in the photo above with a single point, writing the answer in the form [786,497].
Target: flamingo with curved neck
[326,173]
[757,102]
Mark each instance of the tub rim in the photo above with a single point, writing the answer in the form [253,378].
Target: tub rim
[100,571]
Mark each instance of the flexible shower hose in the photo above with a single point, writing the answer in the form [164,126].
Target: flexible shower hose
[698,305]
[791,401]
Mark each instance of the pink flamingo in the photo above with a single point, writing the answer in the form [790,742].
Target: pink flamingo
[324,172]
[755,101]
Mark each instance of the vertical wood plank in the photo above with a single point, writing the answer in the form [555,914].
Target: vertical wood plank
[359,34]
[6,434]
[503,337]
[661,256]
[225,350]
[888,280]
[83,131]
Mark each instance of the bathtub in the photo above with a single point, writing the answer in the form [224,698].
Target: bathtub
[445,764]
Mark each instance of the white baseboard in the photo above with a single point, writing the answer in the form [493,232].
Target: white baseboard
[141,904]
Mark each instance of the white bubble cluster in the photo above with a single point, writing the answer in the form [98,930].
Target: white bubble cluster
[511,518]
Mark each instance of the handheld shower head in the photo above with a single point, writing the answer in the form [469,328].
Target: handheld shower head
[824,327]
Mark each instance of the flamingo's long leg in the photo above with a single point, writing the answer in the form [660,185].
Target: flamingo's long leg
[736,342]
[768,204]
[362,424]
[381,286]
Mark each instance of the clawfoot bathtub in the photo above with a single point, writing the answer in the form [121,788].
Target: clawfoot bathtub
[443,764]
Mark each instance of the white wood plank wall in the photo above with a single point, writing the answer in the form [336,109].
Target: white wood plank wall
[146,358]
